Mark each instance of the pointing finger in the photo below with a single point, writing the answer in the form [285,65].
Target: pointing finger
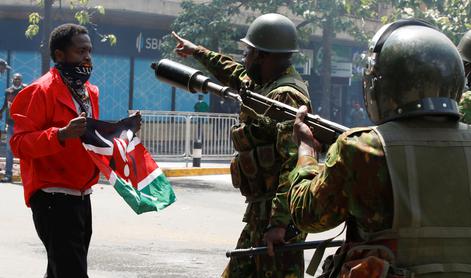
[177,37]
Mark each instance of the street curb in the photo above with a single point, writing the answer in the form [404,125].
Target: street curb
[194,171]
[175,172]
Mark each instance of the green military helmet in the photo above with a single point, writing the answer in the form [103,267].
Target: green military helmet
[272,33]
[464,47]
[413,69]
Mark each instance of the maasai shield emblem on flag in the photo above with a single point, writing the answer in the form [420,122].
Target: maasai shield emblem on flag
[127,165]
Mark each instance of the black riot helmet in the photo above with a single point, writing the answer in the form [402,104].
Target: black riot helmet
[413,69]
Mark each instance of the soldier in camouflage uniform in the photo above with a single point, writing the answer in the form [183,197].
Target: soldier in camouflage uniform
[402,187]
[266,152]
[464,47]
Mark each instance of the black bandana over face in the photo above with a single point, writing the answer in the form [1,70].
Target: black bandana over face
[74,74]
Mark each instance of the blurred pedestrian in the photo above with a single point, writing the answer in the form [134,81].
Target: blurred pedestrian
[10,94]
[357,115]
[4,66]
[201,105]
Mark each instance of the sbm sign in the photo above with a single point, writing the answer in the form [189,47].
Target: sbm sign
[148,43]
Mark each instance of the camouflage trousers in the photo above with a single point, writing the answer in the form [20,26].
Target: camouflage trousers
[283,265]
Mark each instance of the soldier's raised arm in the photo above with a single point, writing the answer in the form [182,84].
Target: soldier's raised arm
[225,68]
[184,48]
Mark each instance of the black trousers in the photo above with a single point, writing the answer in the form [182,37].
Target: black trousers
[64,225]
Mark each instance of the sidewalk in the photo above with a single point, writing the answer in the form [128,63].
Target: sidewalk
[170,168]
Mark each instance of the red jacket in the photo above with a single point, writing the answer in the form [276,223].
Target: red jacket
[39,111]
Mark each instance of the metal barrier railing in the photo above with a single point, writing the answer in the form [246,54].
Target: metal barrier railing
[172,134]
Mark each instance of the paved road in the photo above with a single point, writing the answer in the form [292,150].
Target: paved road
[187,239]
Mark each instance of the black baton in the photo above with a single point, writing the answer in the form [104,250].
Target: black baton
[281,248]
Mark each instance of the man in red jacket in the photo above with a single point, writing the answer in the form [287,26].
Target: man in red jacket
[57,173]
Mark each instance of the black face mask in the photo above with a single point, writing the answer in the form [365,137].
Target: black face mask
[74,74]
[255,72]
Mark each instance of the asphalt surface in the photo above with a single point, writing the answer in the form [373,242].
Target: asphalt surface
[187,239]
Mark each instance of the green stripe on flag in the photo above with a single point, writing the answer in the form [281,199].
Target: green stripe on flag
[157,195]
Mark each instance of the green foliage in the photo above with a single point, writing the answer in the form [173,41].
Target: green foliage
[207,24]
[100,9]
[32,31]
[346,15]
[34,18]
[33,27]
[217,25]
[109,38]
[83,15]
[453,17]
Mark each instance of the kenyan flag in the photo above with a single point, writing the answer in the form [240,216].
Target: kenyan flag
[127,165]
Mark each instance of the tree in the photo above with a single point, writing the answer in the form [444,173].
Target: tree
[207,24]
[83,14]
[453,17]
[334,16]
[217,25]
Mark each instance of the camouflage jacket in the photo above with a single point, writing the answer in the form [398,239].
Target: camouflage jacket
[465,107]
[233,74]
[353,183]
